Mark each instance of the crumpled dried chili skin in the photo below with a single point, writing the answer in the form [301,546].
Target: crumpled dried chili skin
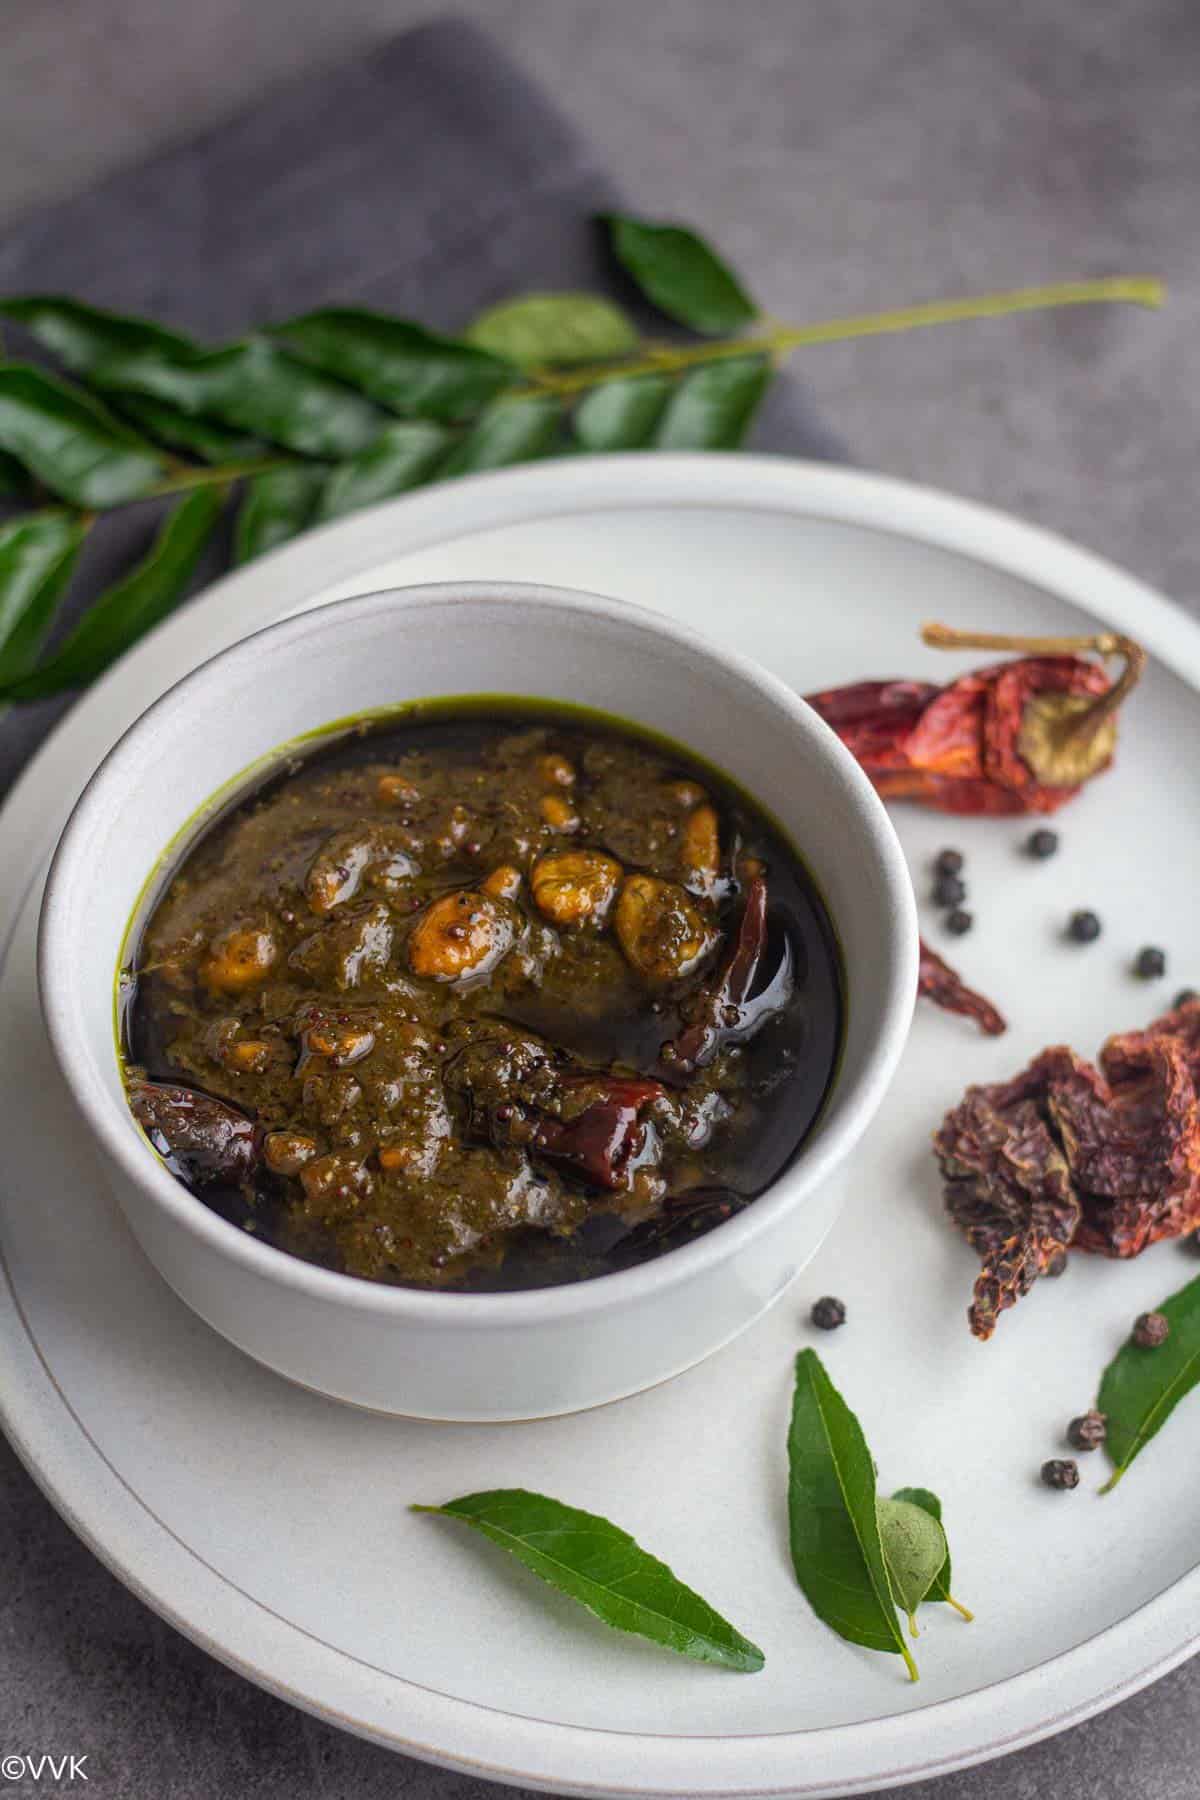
[956,747]
[938,982]
[1073,1156]
[1007,1186]
[1140,1160]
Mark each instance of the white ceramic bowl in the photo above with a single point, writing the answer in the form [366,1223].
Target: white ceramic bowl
[493,1356]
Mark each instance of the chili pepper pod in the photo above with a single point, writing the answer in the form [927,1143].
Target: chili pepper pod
[938,982]
[1015,737]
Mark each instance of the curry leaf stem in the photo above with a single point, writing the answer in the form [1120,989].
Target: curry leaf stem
[1134,290]
[189,476]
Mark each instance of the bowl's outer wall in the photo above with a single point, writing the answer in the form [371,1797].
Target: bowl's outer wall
[381,651]
[436,1370]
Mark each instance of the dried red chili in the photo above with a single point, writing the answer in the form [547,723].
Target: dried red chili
[209,1139]
[603,1139]
[938,982]
[741,996]
[1069,1156]
[1016,737]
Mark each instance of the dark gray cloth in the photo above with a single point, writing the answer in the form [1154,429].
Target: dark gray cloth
[429,178]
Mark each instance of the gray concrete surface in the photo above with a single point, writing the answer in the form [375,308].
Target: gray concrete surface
[848,155]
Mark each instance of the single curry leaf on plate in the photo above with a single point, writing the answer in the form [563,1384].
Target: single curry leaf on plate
[622,415]
[713,407]
[277,505]
[71,443]
[403,456]
[601,1566]
[1141,1387]
[554,328]
[132,605]
[510,431]
[410,370]
[681,274]
[914,1549]
[837,1549]
[198,437]
[38,552]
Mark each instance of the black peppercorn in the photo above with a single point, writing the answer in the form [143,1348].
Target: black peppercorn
[1150,964]
[948,890]
[1151,1329]
[1061,1472]
[949,862]
[1191,1243]
[1057,1265]
[1041,844]
[1183,996]
[959,921]
[1088,1431]
[828,1313]
[1083,927]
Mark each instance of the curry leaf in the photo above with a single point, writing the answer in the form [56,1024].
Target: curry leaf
[837,1550]
[713,407]
[1142,1387]
[199,437]
[594,1562]
[681,274]
[13,479]
[277,505]
[37,555]
[406,368]
[133,605]
[940,1588]
[622,415]
[403,456]
[914,1549]
[71,443]
[83,336]
[554,328]
[253,386]
[510,431]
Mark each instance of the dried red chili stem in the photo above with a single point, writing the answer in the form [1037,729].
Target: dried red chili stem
[938,982]
[1101,643]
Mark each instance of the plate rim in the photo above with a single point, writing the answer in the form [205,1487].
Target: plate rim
[861,1757]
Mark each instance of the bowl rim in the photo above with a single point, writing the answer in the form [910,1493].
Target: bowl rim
[115,1127]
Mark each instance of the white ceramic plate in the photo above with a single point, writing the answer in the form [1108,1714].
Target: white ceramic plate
[271,1526]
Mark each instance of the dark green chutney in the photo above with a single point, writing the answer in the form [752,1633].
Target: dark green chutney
[482,996]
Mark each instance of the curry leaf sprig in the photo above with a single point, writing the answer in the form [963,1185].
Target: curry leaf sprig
[857,1556]
[310,418]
